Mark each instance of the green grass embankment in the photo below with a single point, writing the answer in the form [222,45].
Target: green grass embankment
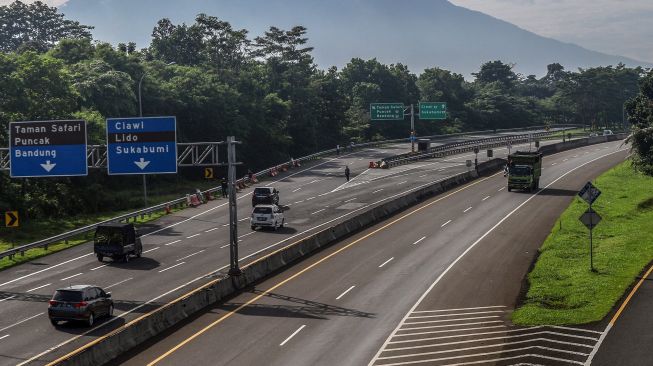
[562,289]
[34,230]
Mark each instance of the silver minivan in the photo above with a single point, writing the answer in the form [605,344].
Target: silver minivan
[267,216]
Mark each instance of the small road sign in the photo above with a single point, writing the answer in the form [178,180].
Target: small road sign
[589,193]
[590,219]
[432,110]
[142,145]
[208,173]
[386,111]
[47,148]
[11,219]
[490,153]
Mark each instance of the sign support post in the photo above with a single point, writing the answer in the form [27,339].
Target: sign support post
[412,128]
[590,193]
[234,269]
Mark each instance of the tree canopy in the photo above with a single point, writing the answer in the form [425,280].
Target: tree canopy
[267,91]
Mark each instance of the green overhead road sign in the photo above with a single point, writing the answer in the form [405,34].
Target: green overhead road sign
[386,111]
[432,110]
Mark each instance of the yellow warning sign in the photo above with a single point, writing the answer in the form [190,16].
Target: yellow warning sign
[208,173]
[11,219]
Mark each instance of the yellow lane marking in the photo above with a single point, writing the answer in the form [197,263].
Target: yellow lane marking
[266,292]
[630,295]
[189,293]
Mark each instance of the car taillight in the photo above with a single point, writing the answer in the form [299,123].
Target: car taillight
[52,302]
[80,304]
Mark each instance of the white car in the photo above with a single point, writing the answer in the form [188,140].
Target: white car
[607,132]
[267,216]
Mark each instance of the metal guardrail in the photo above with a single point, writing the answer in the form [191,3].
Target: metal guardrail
[99,158]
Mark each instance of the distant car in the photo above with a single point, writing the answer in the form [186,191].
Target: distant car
[593,134]
[80,303]
[265,195]
[267,216]
[607,132]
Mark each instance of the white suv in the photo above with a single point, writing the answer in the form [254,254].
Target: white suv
[267,216]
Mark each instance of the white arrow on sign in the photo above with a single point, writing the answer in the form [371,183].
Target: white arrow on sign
[47,166]
[142,163]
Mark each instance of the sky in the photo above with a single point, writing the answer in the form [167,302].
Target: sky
[617,27]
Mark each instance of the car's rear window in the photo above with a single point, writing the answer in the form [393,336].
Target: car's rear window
[69,296]
[262,210]
[261,191]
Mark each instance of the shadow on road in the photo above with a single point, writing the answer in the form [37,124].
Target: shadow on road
[558,192]
[294,307]
[142,264]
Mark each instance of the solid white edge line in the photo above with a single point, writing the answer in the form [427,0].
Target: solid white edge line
[386,262]
[595,350]
[292,335]
[69,277]
[439,278]
[171,267]
[344,293]
[212,272]
[36,288]
[21,322]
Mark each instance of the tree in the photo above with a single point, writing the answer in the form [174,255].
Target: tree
[496,71]
[640,114]
[36,27]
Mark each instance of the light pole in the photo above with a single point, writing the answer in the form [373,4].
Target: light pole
[140,114]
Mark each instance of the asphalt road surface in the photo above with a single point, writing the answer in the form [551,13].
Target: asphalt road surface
[434,285]
[183,249]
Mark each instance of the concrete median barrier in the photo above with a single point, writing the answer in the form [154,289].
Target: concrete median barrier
[137,331]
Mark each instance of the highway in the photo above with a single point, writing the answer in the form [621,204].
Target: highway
[434,285]
[182,249]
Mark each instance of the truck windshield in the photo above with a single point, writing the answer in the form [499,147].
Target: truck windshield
[520,170]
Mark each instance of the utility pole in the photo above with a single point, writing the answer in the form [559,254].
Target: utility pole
[234,269]
[412,128]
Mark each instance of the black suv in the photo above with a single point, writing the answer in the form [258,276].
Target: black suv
[265,196]
[80,302]
[118,241]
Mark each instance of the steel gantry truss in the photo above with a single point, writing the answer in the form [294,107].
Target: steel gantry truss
[188,154]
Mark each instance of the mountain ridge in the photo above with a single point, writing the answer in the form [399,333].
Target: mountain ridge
[417,33]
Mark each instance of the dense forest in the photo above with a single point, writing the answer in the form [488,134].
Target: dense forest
[265,90]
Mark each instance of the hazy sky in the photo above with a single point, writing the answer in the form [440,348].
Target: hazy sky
[619,27]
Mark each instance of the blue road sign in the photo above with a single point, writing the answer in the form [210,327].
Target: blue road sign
[47,148]
[142,145]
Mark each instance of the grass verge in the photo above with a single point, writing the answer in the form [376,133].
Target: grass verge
[562,289]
